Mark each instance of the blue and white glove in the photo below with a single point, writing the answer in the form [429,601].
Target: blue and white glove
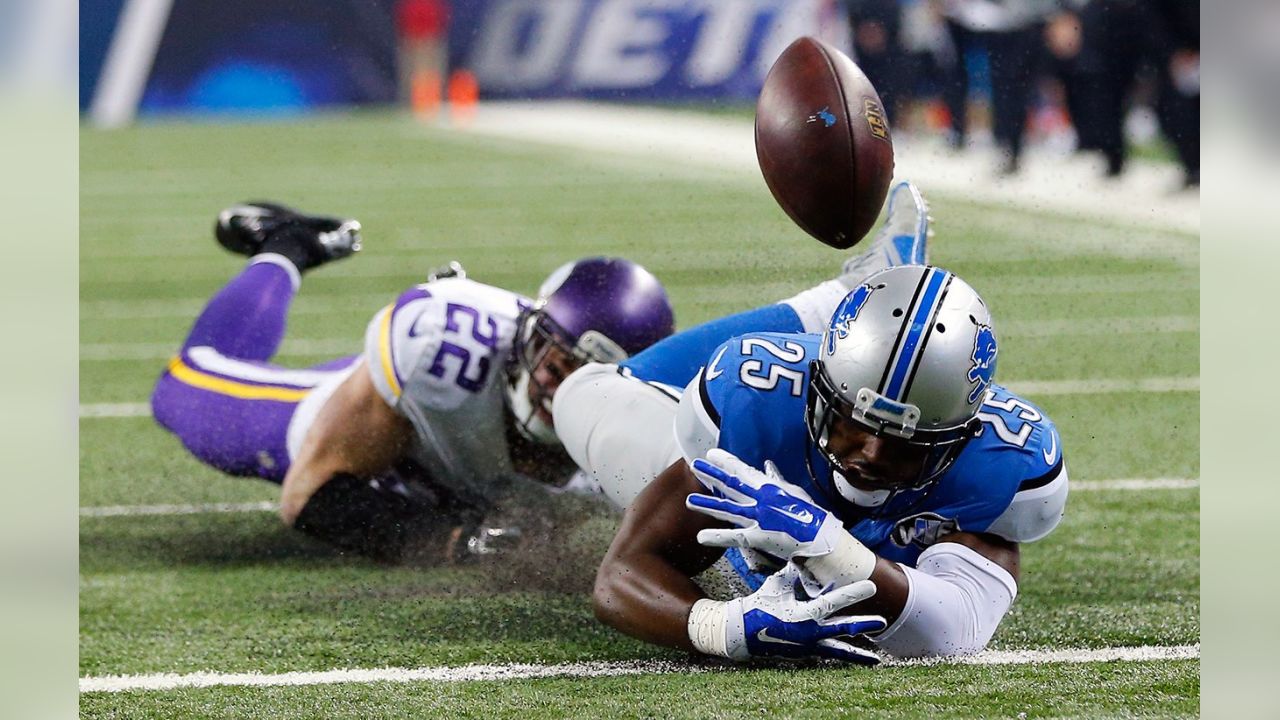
[772,622]
[776,517]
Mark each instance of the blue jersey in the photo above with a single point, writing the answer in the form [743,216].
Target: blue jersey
[750,401]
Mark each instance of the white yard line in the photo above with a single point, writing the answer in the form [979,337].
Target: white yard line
[200,509]
[97,511]
[115,351]
[319,347]
[473,673]
[1037,388]
[1032,388]
[166,350]
[115,410]
[189,307]
[1099,326]
[1135,484]
[1144,653]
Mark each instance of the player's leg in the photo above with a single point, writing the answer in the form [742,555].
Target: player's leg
[228,405]
[246,319]
[901,240]
[234,414]
[955,89]
[617,428]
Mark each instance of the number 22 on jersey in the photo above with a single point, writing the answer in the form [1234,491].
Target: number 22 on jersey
[467,335]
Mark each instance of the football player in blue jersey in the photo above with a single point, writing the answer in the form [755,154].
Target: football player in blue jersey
[868,479]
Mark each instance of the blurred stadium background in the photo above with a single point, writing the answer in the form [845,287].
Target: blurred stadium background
[1094,75]
[516,134]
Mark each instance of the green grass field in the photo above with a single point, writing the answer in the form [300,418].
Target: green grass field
[1091,309]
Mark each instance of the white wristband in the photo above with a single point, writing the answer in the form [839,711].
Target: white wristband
[707,627]
[848,562]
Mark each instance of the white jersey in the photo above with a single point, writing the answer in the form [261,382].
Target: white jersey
[437,355]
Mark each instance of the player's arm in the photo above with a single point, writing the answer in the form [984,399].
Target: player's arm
[961,588]
[954,597]
[355,434]
[949,604]
[643,586]
[893,588]
[342,487]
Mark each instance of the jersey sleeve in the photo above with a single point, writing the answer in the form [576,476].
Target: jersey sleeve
[697,421]
[716,410]
[392,348]
[1039,501]
[702,406]
[1037,506]
[436,347]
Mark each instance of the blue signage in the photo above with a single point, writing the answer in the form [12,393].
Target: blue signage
[629,49]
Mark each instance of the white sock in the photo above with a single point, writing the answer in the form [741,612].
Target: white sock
[815,306]
[295,275]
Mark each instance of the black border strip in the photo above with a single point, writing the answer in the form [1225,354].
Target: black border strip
[1045,479]
[705,397]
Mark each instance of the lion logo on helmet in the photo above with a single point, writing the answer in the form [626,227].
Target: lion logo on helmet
[984,361]
[846,314]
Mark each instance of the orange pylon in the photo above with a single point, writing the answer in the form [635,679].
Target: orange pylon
[464,95]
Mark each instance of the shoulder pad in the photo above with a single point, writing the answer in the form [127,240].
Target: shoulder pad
[736,401]
[1039,498]
[697,421]
[1036,509]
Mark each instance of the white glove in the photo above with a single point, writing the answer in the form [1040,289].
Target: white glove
[772,622]
[776,517]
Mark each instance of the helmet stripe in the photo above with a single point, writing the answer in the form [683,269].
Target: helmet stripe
[930,325]
[902,330]
[911,347]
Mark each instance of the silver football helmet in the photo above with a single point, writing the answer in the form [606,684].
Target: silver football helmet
[908,358]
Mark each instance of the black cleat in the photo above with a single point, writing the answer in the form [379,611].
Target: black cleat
[308,240]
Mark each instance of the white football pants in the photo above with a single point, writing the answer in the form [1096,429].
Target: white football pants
[620,430]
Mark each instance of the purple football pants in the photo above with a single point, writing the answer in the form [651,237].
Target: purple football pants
[223,398]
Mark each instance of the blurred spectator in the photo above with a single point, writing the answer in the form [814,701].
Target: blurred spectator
[424,50]
[1100,48]
[876,27]
[1096,47]
[1173,29]
[1011,32]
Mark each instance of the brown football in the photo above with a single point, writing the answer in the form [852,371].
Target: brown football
[823,142]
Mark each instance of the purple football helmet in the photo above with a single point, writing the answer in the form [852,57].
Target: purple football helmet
[592,310]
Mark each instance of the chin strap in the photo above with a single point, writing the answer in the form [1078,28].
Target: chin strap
[527,421]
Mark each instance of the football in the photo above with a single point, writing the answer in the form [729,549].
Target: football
[823,143]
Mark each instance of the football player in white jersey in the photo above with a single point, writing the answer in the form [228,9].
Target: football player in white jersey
[449,399]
